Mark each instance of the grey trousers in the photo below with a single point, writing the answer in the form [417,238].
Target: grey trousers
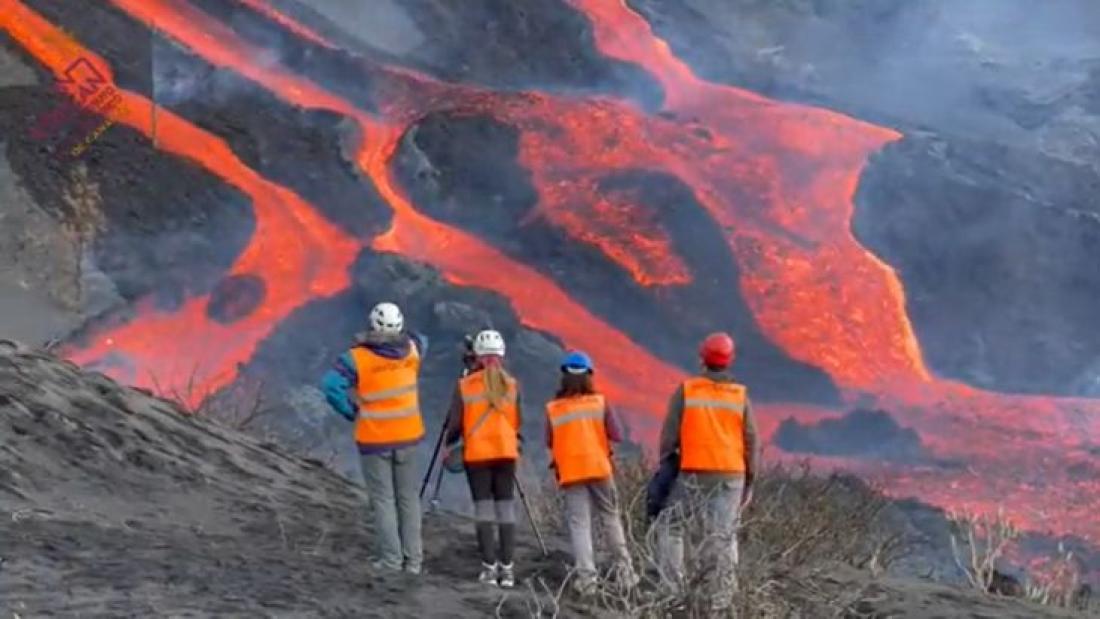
[708,510]
[582,502]
[391,481]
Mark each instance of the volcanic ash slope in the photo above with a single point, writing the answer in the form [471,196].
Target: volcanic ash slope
[115,504]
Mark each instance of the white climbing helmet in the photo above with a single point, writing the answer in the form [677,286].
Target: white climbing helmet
[386,318]
[489,342]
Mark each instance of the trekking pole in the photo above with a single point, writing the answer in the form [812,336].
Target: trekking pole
[434,503]
[530,518]
[435,456]
[468,347]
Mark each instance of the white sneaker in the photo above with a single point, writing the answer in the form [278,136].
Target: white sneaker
[489,573]
[507,576]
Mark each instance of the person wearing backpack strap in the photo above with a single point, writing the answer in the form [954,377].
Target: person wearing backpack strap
[580,428]
[485,417]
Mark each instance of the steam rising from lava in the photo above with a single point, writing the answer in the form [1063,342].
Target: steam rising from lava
[777,178]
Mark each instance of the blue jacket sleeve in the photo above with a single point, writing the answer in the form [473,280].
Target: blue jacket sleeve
[421,342]
[337,382]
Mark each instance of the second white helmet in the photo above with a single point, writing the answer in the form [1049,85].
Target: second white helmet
[489,342]
[386,318]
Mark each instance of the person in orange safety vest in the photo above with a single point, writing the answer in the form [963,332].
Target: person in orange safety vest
[485,416]
[375,385]
[580,427]
[710,428]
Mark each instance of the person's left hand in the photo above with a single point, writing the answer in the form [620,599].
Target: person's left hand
[746,497]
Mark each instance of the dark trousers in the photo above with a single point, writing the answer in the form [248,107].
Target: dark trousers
[493,486]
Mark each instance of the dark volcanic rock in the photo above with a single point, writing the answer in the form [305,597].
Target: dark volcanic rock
[235,297]
[985,68]
[544,45]
[338,71]
[302,150]
[493,197]
[156,224]
[308,342]
[997,249]
[111,33]
[860,433]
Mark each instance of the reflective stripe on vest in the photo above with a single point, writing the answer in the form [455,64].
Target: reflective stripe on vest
[716,404]
[712,427]
[579,438]
[389,407]
[376,396]
[488,433]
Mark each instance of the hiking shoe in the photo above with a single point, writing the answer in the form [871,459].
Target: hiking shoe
[507,576]
[414,570]
[489,573]
[384,566]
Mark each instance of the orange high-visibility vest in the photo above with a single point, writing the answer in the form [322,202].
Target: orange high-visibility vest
[579,438]
[389,406]
[711,431]
[488,433]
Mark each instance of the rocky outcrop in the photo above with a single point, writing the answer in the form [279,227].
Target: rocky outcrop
[997,247]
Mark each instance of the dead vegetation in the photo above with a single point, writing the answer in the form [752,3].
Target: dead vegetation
[979,543]
[799,527]
[82,223]
[985,538]
[240,406]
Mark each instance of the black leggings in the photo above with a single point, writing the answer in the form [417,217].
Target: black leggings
[493,485]
[492,481]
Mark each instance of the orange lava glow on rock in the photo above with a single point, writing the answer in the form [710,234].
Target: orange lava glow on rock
[295,252]
[778,179]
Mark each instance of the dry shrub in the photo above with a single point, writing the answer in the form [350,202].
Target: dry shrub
[84,219]
[985,537]
[799,525]
[81,223]
[238,406]
[1055,581]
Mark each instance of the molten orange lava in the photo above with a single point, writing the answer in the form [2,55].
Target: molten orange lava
[295,252]
[301,30]
[777,178]
[618,225]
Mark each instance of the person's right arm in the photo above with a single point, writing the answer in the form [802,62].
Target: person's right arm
[752,445]
[670,431]
[613,426]
[454,418]
[337,383]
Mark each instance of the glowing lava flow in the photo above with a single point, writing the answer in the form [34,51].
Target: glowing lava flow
[813,289]
[828,301]
[777,178]
[295,253]
[305,32]
[150,342]
[780,179]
